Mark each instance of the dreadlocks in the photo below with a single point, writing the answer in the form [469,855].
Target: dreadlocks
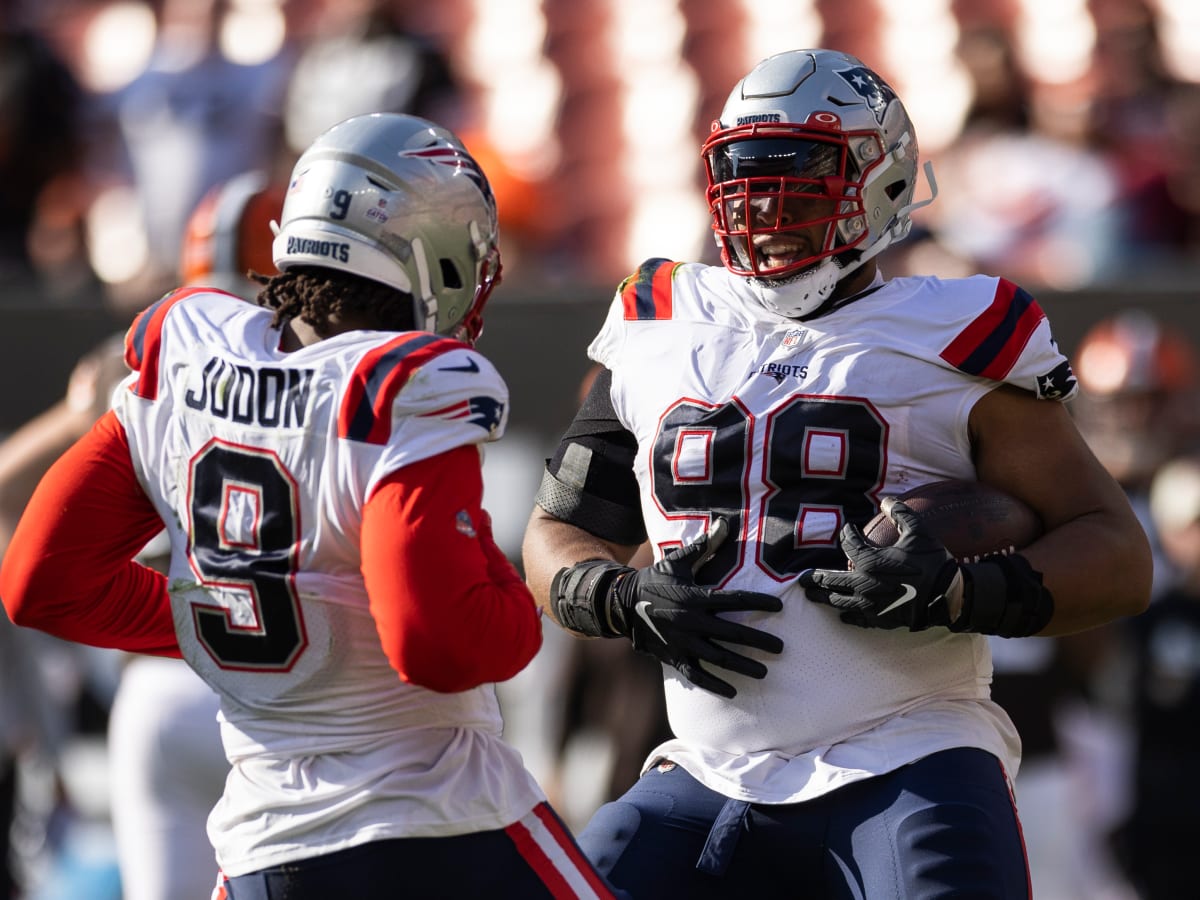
[315,295]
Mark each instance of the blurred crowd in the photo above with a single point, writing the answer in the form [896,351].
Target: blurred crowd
[118,118]
[1064,133]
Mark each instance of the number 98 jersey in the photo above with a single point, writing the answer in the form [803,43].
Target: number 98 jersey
[790,429]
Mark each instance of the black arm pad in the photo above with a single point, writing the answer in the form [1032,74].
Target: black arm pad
[569,502]
[1004,596]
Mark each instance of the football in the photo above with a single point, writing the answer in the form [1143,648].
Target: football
[972,519]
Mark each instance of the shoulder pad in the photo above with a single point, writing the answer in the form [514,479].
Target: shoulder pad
[143,341]
[646,294]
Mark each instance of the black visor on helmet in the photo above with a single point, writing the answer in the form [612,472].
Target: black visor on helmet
[775,158]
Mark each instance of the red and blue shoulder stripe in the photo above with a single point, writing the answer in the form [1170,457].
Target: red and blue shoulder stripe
[143,341]
[366,411]
[646,294]
[991,345]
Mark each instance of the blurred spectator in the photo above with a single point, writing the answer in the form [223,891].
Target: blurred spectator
[192,119]
[1064,182]
[1155,842]
[52,693]
[1137,407]
[29,725]
[364,59]
[1130,122]
[1023,192]
[1138,402]
[40,145]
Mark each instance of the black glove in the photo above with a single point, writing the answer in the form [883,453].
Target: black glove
[666,614]
[913,584]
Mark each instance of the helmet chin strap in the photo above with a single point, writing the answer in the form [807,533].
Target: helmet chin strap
[801,294]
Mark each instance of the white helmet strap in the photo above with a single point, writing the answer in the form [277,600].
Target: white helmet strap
[424,298]
[905,211]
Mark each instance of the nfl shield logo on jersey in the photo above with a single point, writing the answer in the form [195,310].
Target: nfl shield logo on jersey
[793,337]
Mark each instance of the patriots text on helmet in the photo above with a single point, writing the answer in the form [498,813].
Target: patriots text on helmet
[759,117]
[331,249]
[269,397]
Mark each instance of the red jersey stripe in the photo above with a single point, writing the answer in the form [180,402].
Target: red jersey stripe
[538,861]
[143,341]
[992,343]
[564,839]
[366,412]
[646,294]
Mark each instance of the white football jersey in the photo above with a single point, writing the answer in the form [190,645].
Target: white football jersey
[790,429]
[260,463]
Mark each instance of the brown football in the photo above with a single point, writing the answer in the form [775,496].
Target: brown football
[971,518]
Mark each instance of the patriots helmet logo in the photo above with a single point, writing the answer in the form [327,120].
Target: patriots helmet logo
[456,158]
[877,93]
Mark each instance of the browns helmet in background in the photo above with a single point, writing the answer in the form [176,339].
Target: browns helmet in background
[1139,397]
[229,234]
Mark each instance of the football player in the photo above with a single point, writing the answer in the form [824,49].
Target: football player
[315,460]
[749,419]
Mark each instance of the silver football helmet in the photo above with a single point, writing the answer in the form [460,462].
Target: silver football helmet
[397,199]
[811,171]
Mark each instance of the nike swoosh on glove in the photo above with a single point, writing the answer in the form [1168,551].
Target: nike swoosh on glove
[913,584]
[667,615]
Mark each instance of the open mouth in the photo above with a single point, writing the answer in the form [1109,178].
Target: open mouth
[776,254]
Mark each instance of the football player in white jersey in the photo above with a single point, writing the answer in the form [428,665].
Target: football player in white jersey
[776,402]
[315,459]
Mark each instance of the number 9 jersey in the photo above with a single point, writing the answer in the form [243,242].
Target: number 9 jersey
[261,463]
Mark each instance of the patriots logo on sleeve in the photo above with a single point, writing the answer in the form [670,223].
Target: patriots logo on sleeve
[1058,383]
[486,412]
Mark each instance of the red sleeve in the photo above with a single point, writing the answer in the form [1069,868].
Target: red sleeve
[451,610]
[69,568]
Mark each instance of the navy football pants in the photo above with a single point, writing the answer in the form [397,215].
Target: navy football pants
[515,863]
[944,826]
